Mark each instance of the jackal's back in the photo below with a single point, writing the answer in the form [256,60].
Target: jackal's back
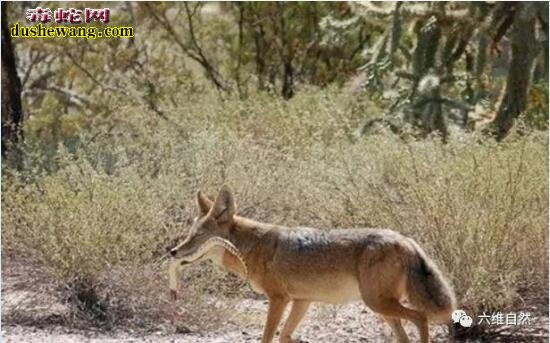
[324,265]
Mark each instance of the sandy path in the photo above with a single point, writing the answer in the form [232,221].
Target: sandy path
[324,323]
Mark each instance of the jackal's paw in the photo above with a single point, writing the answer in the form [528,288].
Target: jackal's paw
[290,340]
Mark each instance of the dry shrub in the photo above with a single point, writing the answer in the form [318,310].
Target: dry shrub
[98,216]
[480,210]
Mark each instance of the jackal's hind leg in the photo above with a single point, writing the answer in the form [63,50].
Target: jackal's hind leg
[297,313]
[276,309]
[392,308]
[397,329]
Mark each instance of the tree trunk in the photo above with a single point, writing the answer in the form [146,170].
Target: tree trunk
[288,80]
[480,66]
[541,69]
[260,45]
[12,113]
[238,80]
[524,51]
[287,55]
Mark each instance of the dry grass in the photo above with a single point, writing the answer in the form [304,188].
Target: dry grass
[97,216]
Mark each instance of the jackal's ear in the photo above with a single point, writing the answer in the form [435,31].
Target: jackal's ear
[224,206]
[204,203]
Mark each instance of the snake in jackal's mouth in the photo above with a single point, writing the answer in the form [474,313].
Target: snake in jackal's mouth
[176,265]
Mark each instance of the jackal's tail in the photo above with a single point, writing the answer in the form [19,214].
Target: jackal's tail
[428,290]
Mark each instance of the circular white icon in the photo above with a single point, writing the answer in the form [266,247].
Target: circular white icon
[466,321]
[457,314]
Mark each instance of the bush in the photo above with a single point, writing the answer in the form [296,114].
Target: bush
[99,216]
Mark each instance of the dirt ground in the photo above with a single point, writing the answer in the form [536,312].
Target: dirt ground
[323,323]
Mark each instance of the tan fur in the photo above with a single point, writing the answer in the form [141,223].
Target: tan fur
[303,265]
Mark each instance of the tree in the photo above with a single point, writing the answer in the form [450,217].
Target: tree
[450,35]
[189,44]
[521,19]
[442,34]
[297,43]
[12,112]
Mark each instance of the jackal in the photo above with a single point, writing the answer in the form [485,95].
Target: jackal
[302,265]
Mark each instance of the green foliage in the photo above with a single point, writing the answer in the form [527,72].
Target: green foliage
[536,115]
[71,85]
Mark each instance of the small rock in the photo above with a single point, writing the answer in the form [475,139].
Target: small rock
[182,330]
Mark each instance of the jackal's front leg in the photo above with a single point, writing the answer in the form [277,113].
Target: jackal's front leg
[299,309]
[277,307]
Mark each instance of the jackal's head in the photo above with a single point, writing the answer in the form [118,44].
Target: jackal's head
[210,230]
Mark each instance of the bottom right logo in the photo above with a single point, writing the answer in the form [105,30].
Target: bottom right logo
[498,318]
[459,316]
